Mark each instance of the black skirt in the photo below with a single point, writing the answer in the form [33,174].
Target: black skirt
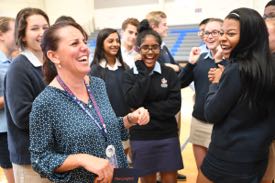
[221,171]
[157,155]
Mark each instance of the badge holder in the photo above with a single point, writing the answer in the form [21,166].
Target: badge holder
[111,155]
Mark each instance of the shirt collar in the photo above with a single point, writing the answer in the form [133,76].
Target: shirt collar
[4,58]
[208,55]
[156,68]
[162,44]
[103,63]
[32,58]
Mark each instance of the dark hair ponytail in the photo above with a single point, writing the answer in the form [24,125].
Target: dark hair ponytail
[144,29]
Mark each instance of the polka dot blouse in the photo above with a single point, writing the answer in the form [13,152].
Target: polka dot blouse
[59,128]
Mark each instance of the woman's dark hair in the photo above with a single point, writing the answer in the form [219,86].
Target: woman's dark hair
[21,24]
[253,55]
[99,53]
[50,41]
[144,30]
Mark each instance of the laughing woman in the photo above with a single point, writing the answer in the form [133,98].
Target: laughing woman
[72,124]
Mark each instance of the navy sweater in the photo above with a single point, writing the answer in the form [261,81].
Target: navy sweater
[239,134]
[113,81]
[199,74]
[23,83]
[160,94]
[165,56]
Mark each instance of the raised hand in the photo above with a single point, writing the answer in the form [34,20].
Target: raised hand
[137,57]
[141,67]
[194,55]
[218,55]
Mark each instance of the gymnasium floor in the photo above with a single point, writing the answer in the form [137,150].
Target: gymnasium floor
[189,163]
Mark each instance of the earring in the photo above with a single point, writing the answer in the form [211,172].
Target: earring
[59,66]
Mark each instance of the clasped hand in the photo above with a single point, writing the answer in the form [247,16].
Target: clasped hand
[214,74]
[140,116]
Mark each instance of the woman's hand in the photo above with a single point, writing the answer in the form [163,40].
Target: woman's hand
[140,116]
[141,67]
[218,55]
[194,55]
[214,74]
[99,166]
[137,57]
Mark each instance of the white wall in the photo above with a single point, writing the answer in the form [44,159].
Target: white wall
[178,11]
[11,7]
[113,17]
[185,12]
[81,10]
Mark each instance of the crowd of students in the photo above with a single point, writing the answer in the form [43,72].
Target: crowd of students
[66,119]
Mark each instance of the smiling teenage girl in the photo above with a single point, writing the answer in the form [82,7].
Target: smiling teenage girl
[155,146]
[241,103]
[24,81]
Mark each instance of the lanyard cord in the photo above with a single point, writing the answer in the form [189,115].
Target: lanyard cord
[75,99]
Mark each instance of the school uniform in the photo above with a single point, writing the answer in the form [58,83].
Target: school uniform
[155,146]
[23,83]
[4,151]
[241,137]
[200,130]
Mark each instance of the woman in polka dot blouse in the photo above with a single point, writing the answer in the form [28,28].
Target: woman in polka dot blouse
[72,122]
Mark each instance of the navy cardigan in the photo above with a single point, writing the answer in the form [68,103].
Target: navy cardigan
[23,83]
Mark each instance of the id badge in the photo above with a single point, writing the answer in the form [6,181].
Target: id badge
[111,155]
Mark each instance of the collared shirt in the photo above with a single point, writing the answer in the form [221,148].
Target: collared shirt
[32,58]
[156,68]
[128,56]
[209,55]
[4,64]
[162,44]
[203,48]
[103,63]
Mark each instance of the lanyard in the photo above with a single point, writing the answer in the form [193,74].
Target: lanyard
[76,100]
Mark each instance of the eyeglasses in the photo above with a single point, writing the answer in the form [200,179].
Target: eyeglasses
[213,33]
[146,48]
